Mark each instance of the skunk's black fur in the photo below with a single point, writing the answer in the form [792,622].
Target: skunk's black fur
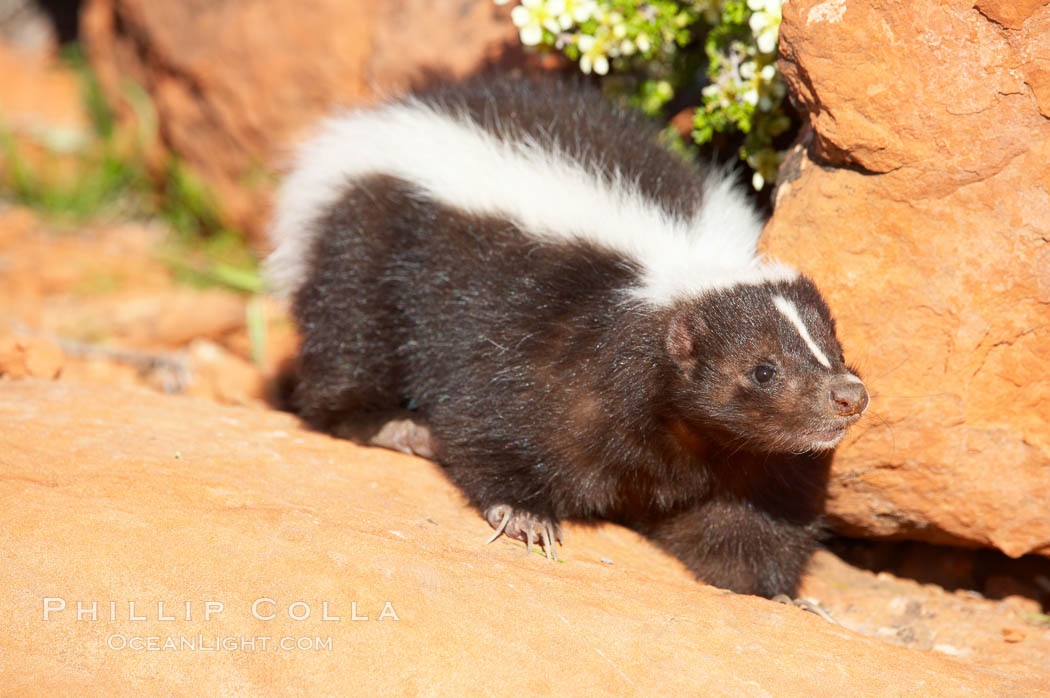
[548,383]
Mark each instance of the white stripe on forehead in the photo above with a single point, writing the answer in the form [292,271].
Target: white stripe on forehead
[788,310]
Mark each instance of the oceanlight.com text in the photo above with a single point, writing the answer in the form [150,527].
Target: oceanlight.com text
[216,643]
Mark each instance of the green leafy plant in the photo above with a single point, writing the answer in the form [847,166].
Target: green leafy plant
[67,172]
[654,52]
[77,175]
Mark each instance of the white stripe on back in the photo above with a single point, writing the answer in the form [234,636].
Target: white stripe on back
[547,193]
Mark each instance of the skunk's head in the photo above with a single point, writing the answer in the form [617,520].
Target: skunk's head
[760,366]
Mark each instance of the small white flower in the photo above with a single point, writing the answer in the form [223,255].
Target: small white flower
[642,42]
[593,53]
[769,72]
[770,6]
[751,96]
[521,16]
[758,181]
[531,34]
[627,47]
[767,42]
[582,10]
[531,17]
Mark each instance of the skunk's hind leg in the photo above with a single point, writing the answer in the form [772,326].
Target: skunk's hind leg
[405,432]
[362,414]
[348,383]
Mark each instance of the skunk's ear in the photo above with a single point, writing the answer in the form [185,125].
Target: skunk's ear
[682,331]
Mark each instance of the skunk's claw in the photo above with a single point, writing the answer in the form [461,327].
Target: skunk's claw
[524,526]
[811,605]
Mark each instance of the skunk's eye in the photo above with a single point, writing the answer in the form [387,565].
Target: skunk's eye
[763,374]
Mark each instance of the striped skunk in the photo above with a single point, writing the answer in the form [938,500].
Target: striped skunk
[513,278]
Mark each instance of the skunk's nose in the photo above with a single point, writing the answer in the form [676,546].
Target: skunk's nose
[848,396]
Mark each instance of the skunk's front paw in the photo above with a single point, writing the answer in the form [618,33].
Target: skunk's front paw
[525,526]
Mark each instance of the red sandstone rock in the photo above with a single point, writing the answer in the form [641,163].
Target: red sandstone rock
[1009,13]
[22,355]
[931,93]
[234,83]
[124,319]
[921,204]
[221,376]
[127,496]
[927,617]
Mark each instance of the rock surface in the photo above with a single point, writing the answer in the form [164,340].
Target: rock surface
[109,301]
[134,497]
[920,201]
[1012,14]
[23,355]
[235,83]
